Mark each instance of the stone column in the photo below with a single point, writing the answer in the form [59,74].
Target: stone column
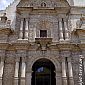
[1,70]
[20,71]
[28,78]
[16,72]
[71,81]
[64,77]
[21,29]
[66,30]
[58,78]
[26,29]
[28,73]
[61,30]
[23,68]
[9,69]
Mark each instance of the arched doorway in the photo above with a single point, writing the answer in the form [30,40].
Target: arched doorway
[43,73]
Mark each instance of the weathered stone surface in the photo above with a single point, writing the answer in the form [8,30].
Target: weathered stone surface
[9,66]
[54,19]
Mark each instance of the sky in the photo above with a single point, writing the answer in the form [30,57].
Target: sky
[79,2]
[5,3]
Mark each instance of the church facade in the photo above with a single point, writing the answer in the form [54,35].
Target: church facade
[43,44]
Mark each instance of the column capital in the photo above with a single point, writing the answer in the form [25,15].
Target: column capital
[9,60]
[29,71]
[63,59]
[2,58]
[65,19]
[60,19]
[24,59]
[69,59]
[17,59]
[27,19]
[65,53]
[22,19]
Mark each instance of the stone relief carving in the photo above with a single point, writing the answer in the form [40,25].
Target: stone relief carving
[42,3]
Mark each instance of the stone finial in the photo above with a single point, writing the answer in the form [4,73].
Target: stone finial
[4,18]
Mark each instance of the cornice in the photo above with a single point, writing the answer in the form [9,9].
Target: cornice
[21,46]
[27,9]
[6,31]
[82,46]
[3,46]
[64,46]
[34,47]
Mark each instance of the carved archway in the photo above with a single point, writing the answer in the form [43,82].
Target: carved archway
[52,59]
[43,72]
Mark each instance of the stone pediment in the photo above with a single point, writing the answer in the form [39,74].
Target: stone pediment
[43,3]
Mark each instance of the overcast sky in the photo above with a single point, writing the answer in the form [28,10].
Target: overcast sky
[79,2]
[5,3]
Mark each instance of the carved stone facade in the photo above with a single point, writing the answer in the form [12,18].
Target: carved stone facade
[44,32]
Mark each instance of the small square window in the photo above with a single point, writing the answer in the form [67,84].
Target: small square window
[43,33]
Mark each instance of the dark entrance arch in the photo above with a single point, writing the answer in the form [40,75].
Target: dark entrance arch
[43,73]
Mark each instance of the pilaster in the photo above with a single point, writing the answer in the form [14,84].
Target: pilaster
[21,29]
[28,73]
[1,68]
[23,71]
[66,30]
[16,70]
[27,29]
[64,77]
[71,80]
[9,68]
[61,30]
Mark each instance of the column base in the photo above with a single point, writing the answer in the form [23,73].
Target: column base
[25,39]
[22,81]
[67,39]
[61,40]
[64,79]
[22,39]
[0,80]
[16,81]
[71,81]
[28,79]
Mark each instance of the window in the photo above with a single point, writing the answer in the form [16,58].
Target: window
[43,33]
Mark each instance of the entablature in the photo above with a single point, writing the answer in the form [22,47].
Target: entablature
[34,47]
